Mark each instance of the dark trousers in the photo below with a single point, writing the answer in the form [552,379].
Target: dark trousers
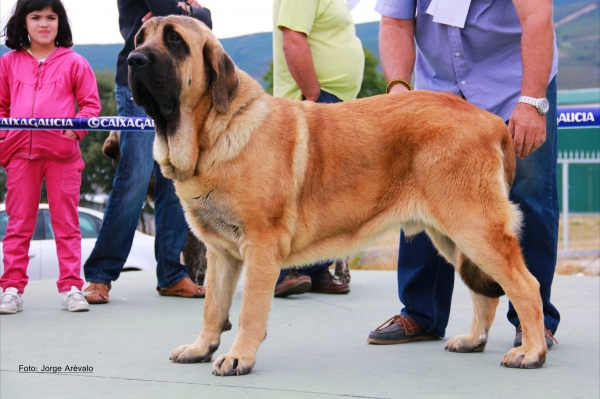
[426,280]
[315,270]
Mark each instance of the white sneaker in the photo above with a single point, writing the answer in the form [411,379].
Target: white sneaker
[74,301]
[11,301]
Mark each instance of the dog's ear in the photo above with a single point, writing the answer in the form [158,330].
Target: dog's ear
[220,73]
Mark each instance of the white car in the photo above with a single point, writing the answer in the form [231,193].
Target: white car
[43,261]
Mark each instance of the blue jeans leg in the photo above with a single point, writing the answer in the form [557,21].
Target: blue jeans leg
[125,201]
[536,193]
[425,283]
[315,270]
[171,231]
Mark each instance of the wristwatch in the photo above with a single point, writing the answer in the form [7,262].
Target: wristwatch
[541,104]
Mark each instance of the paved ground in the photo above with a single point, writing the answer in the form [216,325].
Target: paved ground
[316,348]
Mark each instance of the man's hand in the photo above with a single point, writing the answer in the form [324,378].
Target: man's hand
[147,16]
[71,134]
[181,4]
[527,128]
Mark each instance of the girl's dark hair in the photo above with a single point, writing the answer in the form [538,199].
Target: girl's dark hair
[16,30]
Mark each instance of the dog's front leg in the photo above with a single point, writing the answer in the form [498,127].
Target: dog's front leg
[476,339]
[262,269]
[223,273]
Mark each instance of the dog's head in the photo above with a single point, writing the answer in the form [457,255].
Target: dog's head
[179,72]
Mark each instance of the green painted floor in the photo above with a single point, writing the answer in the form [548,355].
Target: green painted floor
[316,348]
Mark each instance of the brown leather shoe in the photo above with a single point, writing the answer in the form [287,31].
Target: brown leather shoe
[550,340]
[185,288]
[292,284]
[399,330]
[327,284]
[96,293]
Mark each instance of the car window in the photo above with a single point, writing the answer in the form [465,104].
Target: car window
[38,233]
[88,224]
[48,232]
[3,224]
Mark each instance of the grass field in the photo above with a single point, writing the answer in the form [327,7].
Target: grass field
[584,234]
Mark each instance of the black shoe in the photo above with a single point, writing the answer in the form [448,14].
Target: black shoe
[398,330]
[550,340]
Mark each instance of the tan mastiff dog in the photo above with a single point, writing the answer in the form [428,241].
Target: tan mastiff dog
[255,175]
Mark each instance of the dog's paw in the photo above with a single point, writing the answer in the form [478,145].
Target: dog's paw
[519,358]
[467,343]
[193,354]
[232,365]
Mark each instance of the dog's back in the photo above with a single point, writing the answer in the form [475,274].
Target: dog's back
[387,160]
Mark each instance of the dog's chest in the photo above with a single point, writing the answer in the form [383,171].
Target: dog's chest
[214,217]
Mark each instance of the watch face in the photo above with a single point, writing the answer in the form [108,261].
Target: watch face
[544,106]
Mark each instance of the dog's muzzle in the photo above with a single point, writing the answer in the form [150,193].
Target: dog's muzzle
[137,60]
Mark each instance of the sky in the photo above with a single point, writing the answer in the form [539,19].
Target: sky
[96,21]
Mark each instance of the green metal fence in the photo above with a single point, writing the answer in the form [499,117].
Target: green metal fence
[576,140]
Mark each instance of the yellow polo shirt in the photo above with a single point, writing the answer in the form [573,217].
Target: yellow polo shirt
[337,52]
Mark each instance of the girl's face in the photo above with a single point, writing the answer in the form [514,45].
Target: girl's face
[42,26]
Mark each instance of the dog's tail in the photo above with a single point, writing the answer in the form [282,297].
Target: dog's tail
[478,281]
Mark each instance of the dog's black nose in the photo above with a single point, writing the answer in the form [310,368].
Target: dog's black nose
[137,59]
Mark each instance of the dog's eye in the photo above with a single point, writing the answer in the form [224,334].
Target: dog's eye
[174,37]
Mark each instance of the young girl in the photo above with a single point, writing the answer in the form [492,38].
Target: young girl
[42,77]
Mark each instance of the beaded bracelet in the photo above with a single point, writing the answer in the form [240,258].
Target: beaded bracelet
[395,81]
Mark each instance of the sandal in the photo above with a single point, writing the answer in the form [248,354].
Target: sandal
[185,288]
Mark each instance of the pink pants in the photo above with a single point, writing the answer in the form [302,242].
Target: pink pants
[24,184]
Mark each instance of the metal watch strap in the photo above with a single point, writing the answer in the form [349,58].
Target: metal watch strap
[531,101]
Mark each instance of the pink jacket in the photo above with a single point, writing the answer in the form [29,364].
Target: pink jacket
[30,89]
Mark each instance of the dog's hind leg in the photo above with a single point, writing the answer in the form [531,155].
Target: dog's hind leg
[222,275]
[477,337]
[484,307]
[496,251]
[263,265]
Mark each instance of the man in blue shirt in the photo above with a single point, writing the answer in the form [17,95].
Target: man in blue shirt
[501,56]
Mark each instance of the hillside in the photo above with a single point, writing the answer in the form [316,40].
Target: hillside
[578,44]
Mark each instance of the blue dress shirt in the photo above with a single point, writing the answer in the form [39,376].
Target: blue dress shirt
[481,62]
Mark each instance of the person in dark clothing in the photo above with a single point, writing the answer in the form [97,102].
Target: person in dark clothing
[131,179]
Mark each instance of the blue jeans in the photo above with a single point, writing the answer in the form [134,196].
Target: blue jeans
[315,270]
[124,207]
[426,280]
